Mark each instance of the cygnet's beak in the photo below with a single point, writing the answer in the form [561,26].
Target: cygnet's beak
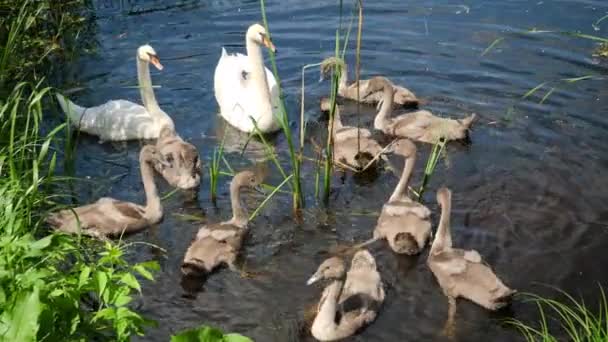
[315,277]
[156,62]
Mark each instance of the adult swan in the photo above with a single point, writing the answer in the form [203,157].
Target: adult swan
[244,88]
[118,120]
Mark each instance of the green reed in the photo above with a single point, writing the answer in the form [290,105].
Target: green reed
[337,71]
[574,318]
[429,168]
[214,168]
[283,119]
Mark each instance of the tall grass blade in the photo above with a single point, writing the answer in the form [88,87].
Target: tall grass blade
[298,197]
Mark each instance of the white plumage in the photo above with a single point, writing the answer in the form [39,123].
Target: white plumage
[245,89]
[119,120]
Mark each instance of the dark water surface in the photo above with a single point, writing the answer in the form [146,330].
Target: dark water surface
[529,192]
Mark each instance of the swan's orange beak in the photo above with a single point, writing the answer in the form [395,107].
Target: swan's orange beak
[267,43]
[156,62]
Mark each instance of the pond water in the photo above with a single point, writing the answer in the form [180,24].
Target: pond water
[528,192]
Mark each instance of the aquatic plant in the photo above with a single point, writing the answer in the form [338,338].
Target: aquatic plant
[207,334]
[577,321]
[214,168]
[283,119]
[429,168]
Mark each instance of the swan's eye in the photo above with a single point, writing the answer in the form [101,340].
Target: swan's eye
[169,158]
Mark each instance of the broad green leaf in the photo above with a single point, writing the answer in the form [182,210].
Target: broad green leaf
[141,269]
[236,338]
[131,281]
[101,279]
[200,334]
[107,313]
[84,276]
[24,318]
[42,243]
[122,299]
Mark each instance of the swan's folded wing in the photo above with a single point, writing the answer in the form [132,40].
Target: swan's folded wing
[117,118]
[233,87]
[362,282]
[451,262]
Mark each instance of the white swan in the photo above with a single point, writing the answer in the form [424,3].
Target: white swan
[119,120]
[244,88]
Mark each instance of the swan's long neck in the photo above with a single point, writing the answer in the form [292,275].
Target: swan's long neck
[147,94]
[239,214]
[145,86]
[381,120]
[337,121]
[443,239]
[401,188]
[154,208]
[258,77]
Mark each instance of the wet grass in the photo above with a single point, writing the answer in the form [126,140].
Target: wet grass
[570,318]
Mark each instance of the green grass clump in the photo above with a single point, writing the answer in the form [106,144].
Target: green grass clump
[32,32]
[53,286]
[572,318]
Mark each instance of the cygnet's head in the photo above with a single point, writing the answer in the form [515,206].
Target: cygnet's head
[329,63]
[147,54]
[332,268]
[444,196]
[247,179]
[149,153]
[403,147]
[379,83]
[257,33]
[363,259]
[182,167]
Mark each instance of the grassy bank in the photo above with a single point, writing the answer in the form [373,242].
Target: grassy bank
[52,287]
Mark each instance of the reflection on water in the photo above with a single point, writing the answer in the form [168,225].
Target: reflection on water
[528,192]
